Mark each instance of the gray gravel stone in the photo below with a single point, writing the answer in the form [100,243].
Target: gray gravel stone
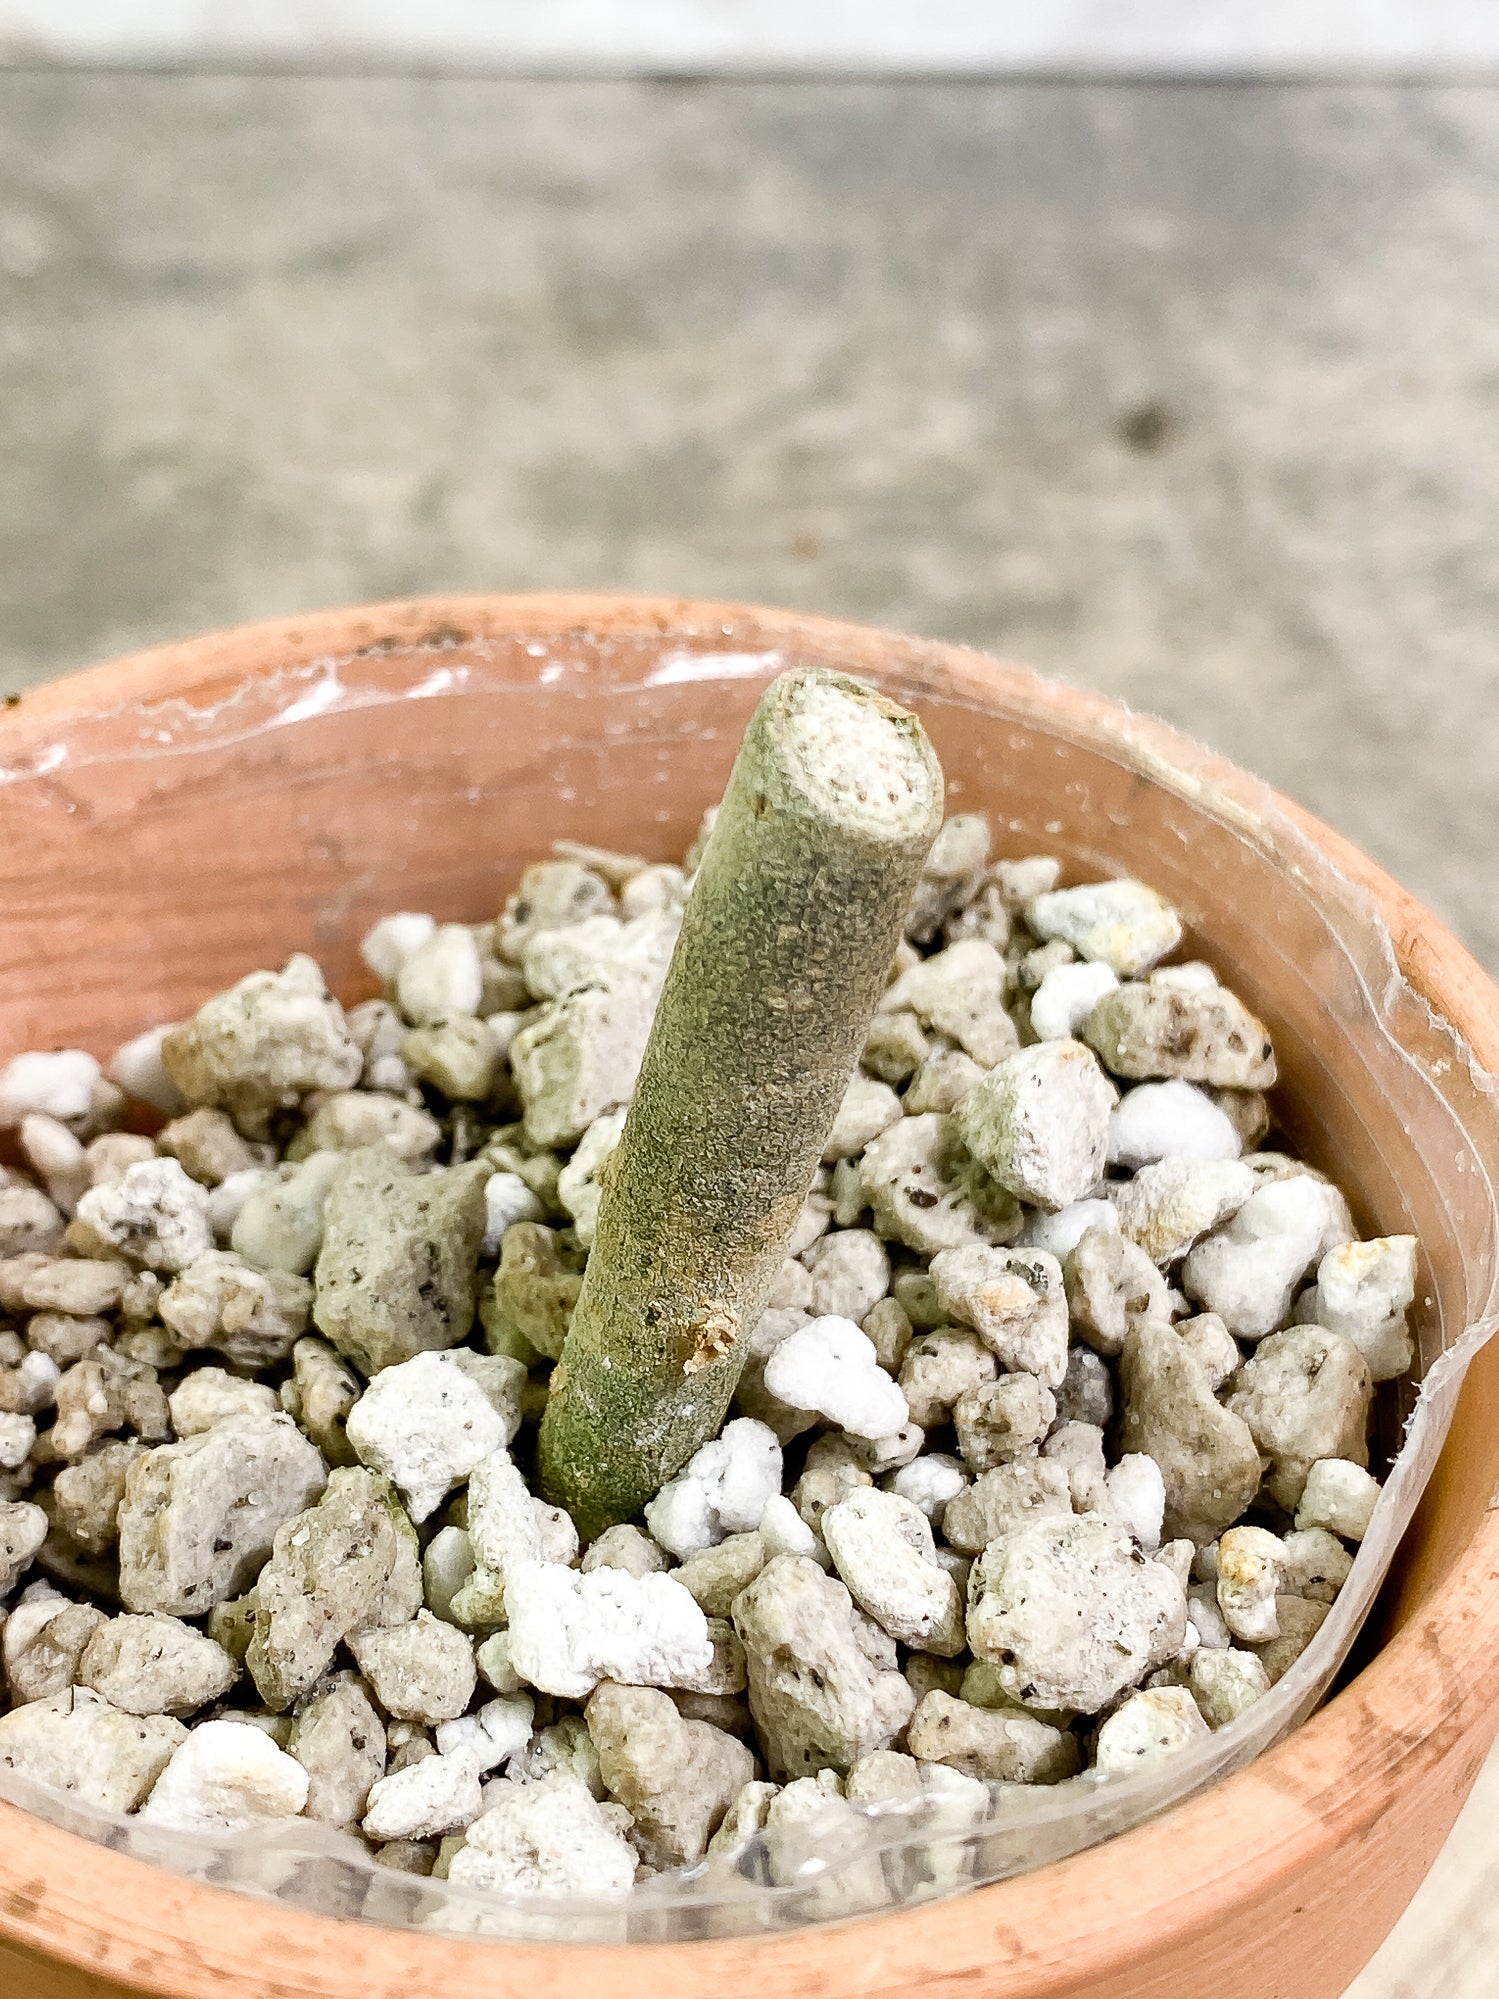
[198,1517]
[395,1275]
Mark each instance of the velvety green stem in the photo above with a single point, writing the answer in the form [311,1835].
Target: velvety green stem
[834,801]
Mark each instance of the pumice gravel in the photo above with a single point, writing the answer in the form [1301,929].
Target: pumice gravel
[1049,1451]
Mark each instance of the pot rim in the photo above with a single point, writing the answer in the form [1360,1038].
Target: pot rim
[1067,1927]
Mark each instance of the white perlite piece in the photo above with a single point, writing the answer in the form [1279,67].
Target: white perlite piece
[341,1743]
[784,1532]
[551,894]
[1178,1556]
[1168,1206]
[1305,1394]
[1065,998]
[210,1395]
[940,1084]
[81,1286]
[1149,1726]
[29,1222]
[427,1423]
[23,1528]
[1060,1234]
[742,1822]
[568,1630]
[386,945]
[17,1435]
[579,1186]
[626,1548]
[156,1216]
[1251,1567]
[1315,1565]
[831,1366]
[868,1108]
[1364,1291]
[1001,1420]
[879,1455]
[565,1745]
[1340,1497]
[929,1482]
[549,1838]
[850,1272]
[1225,1683]
[1136,1498]
[58,1085]
[939,1368]
[831,1472]
[1248,1271]
[347,1563]
[500,1730]
[882,1547]
[424,1800]
[447,1563]
[349,1119]
[504,1531]
[1194,976]
[1212,1346]
[225,1778]
[136,1066]
[1039,1123]
[1087,1391]
[42,1641]
[559,1537]
[811,1835]
[953,875]
[441,978]
[723,1489]
[279,1225]
[1207,1619]
[555,961]
[1003,1744]
[1171,1120]
[507,1200]
[253,1317]
[34,1382]
[1122,924]
[493,1660]
[558,962]
[56,1157]
[675,1775]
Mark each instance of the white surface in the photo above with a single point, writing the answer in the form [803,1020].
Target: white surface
[1204,37]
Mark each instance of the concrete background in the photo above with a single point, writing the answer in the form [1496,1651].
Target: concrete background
[1190,394]
[943,37]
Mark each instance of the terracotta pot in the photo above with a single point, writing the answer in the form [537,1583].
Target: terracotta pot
[157,840]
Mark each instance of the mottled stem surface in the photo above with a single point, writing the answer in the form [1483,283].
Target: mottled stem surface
[832,807]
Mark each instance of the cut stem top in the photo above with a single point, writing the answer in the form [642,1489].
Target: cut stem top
[795,912]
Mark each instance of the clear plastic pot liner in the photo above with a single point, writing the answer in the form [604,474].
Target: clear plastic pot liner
[887,1858]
